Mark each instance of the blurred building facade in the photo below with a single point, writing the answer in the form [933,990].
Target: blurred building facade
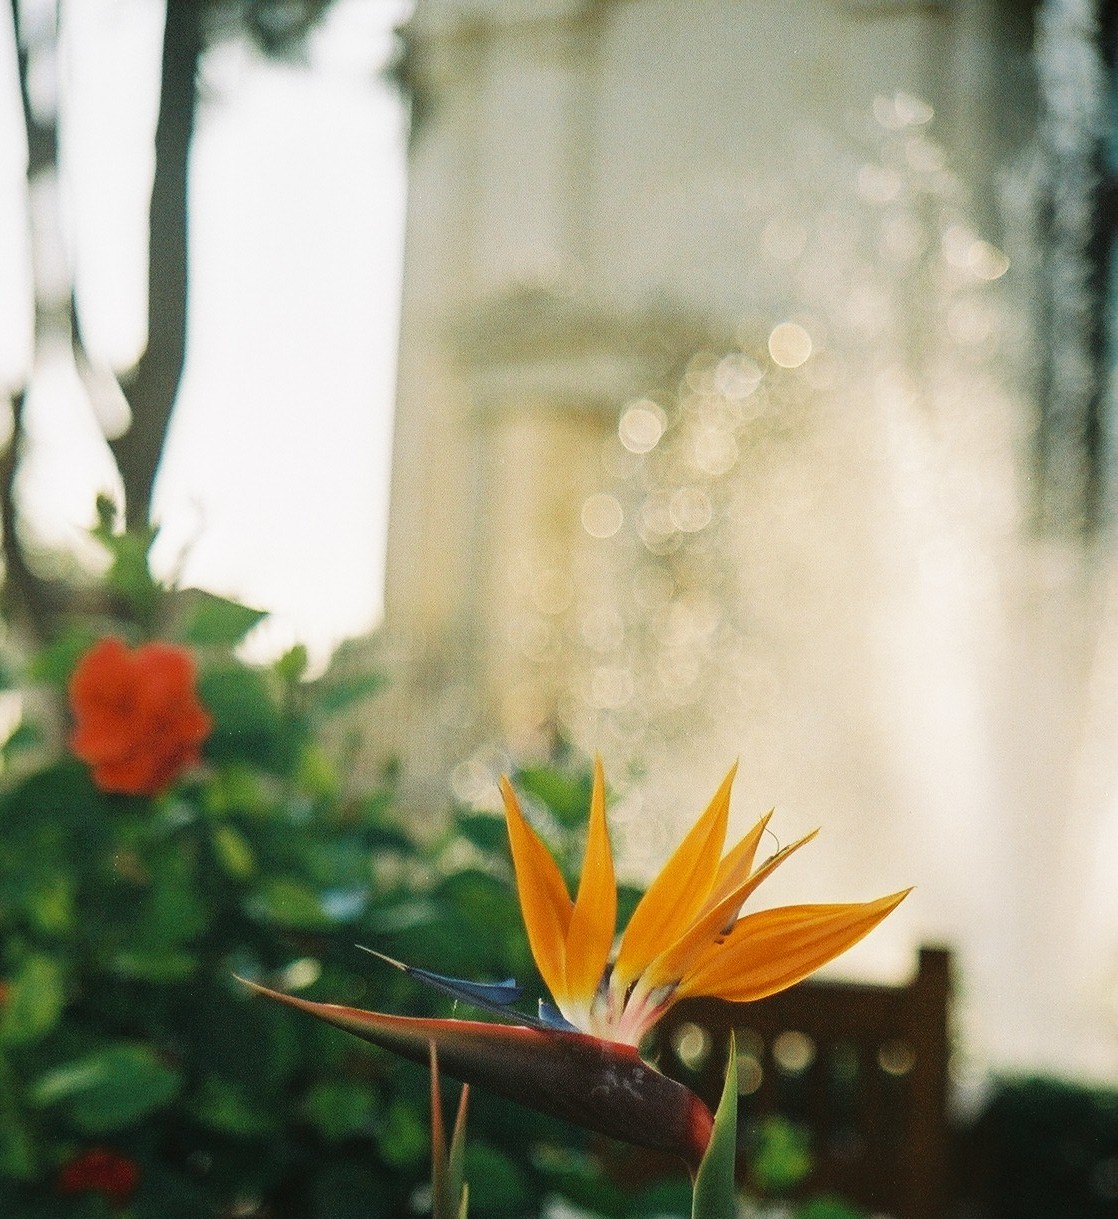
[749,406]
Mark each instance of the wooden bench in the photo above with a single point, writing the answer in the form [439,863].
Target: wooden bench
[862,1068]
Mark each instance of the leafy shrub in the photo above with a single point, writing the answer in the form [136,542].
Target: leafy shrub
[135,1072]
[1049,1148]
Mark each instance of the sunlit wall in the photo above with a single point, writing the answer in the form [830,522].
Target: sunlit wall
[714,442]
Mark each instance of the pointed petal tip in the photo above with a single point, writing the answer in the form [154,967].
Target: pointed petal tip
[383,957]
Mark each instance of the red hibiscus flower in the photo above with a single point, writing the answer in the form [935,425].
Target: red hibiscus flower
[100,1171]
[138,721]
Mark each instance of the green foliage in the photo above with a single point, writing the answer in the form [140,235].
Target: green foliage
[715,1192]
[449,1188]
[108,1089]
[826,1206]
[1048,1147]
[123,919]
[781,1159]
[217,621]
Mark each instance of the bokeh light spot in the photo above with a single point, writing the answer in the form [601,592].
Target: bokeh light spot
[641,426]
[790,345]
[690,509]
[602,515]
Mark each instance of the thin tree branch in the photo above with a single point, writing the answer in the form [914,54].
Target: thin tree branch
[154,383]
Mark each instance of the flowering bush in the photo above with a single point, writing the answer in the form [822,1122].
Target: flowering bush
[179,818]
[137,719]
[191,826]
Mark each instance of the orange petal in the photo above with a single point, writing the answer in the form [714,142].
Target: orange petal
[545,903]
[774,949]
[737,864]
[679,891]
[713,920]
[594,918]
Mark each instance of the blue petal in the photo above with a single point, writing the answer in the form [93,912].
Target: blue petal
[552,1018]
[492,996]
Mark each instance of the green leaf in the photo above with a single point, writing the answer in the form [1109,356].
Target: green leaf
[316,773]
[174,912]
[485,830]
[226,1108]
[293,663]
[17,1149]
[237,788]
[53,663]
[233,852]
[129,575]
[59,799]
[715,1193]
[50,904]
[782,1159]
[36,997]
[567,795]
[217,621]
[239,700]
[339,1109]
[403,1138]
[160,965]
[289,903]
[336,693]
[109,1089]
[247,722]
[18,1159]
[497,1183]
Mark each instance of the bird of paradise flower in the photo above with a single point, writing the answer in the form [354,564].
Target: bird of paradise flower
[579,1059]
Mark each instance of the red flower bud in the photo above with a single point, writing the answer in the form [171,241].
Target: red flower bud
[101,1171]
[138,721]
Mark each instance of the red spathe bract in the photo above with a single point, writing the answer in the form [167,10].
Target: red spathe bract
[597,1084]
[138,721]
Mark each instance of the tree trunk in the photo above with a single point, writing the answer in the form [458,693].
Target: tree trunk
[153,384]
[30,601]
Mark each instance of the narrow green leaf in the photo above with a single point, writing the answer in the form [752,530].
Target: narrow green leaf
[440,1196]
[233,852]
[715,1193]
[457,1187]
[448,1189]
[217,621]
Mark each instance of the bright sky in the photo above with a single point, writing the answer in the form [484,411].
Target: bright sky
[275,483]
